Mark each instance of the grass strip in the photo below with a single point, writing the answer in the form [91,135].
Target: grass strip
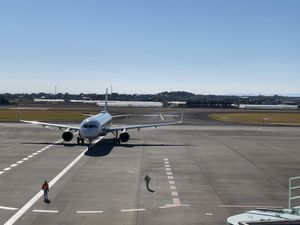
[258,118]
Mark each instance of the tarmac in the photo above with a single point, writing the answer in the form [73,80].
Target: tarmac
[202,172]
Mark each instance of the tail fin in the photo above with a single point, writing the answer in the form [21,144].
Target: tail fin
[106,99]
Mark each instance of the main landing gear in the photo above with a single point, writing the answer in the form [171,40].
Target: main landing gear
[80,140]
[116,138]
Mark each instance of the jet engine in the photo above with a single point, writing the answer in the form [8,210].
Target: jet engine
[67,136]
[124,136]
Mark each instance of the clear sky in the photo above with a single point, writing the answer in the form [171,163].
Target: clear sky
[149,46]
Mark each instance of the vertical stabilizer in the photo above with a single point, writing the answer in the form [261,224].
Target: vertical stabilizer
[106,99]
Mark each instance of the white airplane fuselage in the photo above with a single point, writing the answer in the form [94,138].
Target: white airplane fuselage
[95,126]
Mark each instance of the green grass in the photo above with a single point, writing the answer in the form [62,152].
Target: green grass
[8,115]
[258,118]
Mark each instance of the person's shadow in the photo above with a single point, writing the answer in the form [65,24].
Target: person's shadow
[148,188]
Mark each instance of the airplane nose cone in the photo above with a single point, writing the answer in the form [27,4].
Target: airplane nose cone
[89,130]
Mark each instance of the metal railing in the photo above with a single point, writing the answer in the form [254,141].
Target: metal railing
[291,188]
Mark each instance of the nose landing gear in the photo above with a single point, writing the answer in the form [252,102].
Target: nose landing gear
[80,140]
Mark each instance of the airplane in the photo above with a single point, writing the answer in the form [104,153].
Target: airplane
[99,125]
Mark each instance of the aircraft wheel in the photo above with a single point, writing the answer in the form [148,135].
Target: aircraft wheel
[78,140]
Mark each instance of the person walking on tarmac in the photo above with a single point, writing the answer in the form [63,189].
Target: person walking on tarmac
[147,180]
[45,188]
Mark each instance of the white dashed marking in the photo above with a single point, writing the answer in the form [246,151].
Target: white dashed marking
[44,211]
[7,168]
[1,172]
[171,182]
[176,201]
[13,165]
[87,212]
[132,210]
[209,214]
[174,193]
[8,208]
[21,161]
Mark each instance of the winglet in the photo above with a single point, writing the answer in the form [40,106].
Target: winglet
[181,118]
[106,99]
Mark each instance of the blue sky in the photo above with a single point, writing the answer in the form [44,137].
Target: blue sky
[142,46]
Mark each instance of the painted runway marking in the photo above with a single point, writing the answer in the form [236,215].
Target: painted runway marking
[44,211]
[132,210]
[248,206]
[28,157]
[174,193]
[176,201]
[34,199]
[88,212]
[8,208]
[209,214]
[161,116]
[171,182]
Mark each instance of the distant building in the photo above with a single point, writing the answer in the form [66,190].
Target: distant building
[249,106]
[48,100]
[121,103]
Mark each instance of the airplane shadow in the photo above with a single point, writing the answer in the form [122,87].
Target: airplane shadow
[101,148]
[148,145]
[104,147]
[51,143]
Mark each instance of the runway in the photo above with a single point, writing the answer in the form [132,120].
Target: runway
[201,174]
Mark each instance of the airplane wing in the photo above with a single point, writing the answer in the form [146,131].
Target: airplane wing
[116,116]
[122,115]
[155,125]
[59,126]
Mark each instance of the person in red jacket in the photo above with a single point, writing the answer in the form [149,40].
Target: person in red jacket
[45,188]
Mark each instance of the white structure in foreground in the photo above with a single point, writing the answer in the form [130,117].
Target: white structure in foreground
[262,216]
[271,216]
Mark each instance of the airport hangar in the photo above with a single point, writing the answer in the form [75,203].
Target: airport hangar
[202,172]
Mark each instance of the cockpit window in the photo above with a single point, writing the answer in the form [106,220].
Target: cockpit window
[89,126]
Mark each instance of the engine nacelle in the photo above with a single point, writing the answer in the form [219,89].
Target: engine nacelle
[67,136]
[124,136]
